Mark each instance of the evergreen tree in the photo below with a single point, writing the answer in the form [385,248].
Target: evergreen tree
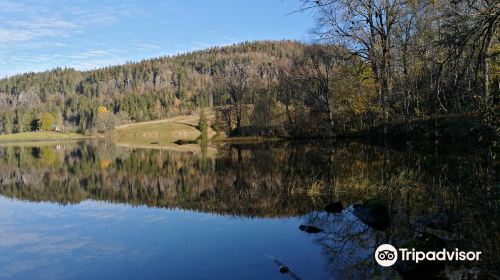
[203,128]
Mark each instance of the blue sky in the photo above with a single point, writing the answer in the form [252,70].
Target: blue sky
[43,34]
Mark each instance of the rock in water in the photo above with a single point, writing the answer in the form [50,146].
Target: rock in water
[310,229]
[373,213]
[284,269]
[334,207]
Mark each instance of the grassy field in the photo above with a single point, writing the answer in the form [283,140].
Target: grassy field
[40,136]
[161,134]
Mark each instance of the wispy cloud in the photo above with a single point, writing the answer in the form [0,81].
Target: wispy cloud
[103,14]
[12,7]
[13,32]
[32,33]
[40,22]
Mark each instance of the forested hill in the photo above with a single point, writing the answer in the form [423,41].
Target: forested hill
[270,88]
[140,91]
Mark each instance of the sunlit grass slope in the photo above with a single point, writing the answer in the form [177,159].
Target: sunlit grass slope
[160,133]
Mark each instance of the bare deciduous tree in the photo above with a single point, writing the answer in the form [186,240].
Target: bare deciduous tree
[367,28]
[235,78]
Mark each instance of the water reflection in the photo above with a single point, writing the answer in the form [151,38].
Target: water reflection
[236,182]
[453,197]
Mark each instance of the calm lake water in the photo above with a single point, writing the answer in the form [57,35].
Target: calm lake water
[96,211]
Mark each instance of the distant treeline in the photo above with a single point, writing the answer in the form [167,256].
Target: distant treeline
[380,64]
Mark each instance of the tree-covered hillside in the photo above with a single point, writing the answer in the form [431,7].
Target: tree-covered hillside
[416,87]
[142,91]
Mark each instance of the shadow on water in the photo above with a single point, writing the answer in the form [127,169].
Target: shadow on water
[374,196]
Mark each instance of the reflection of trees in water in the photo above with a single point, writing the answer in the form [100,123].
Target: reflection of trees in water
[255,180]
[450,196]
[347,245]
[147,177]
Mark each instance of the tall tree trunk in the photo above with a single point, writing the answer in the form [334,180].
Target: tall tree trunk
[332,122]
[238,118]
[384,90]
[289,117]
[486,76]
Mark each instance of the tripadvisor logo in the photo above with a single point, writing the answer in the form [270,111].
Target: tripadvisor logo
[387,255]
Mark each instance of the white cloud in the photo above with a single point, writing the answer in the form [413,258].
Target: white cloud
[12,7]
[35,36]
[13,32]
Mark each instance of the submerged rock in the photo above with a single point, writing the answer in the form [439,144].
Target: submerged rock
[373,213]
[310,229]
[284,269]
[334,207]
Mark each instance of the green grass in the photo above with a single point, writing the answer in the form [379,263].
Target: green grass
[161,134]
[154,133]
[40,136]
[177,133]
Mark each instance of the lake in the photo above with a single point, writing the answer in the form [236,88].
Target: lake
[92,210]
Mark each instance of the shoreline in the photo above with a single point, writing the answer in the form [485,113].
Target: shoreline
[44,136]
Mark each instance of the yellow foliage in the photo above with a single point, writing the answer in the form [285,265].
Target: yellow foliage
[46,121]
[102,109]
[104,163]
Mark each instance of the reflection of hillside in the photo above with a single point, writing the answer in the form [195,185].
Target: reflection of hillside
[70,174]
[241,180]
